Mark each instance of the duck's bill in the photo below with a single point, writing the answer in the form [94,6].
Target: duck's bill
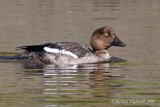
[118,42]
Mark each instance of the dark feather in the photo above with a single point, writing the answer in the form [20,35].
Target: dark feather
[34,48]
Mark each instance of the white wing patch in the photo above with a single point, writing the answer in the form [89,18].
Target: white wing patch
[63,51]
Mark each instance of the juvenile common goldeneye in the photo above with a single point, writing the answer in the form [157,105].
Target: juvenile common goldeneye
[74,53]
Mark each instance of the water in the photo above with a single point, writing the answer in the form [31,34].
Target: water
[135,82]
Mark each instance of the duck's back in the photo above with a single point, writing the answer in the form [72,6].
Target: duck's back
[72,49]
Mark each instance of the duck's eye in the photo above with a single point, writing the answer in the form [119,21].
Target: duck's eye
[106,34]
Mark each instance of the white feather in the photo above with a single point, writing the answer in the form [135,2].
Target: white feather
[53,50]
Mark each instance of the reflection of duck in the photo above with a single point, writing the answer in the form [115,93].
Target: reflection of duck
[91,80]
[72,52]
[103,82]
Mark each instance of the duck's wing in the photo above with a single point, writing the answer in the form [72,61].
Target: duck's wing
[34,48]
[69,48]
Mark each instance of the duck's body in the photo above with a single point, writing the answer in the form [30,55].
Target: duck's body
[72,52]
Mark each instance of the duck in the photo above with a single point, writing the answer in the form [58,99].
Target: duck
[59,53]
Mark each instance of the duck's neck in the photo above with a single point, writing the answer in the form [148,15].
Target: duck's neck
[102,53]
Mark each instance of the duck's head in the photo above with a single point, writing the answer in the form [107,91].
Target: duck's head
[105,37]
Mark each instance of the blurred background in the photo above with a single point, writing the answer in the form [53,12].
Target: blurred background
[136,22]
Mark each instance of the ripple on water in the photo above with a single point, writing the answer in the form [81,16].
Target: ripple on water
[86,83]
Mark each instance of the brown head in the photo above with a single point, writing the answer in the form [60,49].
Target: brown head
[105,37]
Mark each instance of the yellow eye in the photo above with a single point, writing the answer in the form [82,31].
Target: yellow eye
[106,34]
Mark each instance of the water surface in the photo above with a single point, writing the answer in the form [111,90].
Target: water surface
[135,82]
